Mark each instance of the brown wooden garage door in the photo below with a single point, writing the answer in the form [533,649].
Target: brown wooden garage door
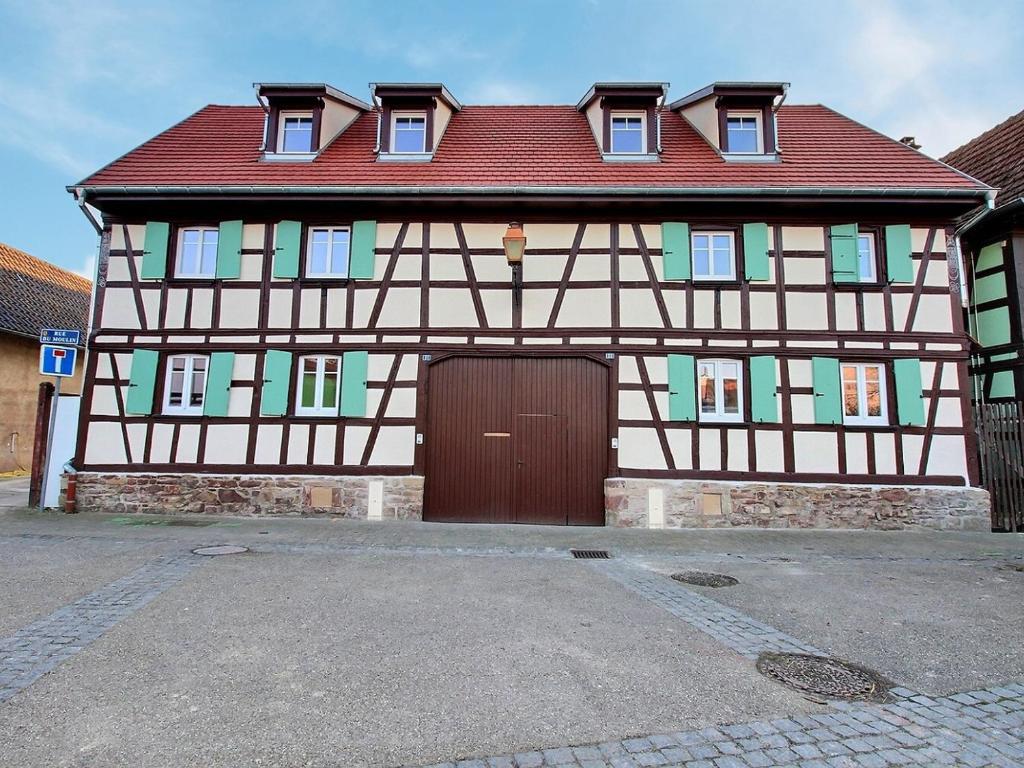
[516,440]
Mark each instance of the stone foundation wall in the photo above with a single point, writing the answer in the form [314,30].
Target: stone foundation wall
[249,494]
[696,504]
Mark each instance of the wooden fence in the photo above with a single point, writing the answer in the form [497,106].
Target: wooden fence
[1001,446]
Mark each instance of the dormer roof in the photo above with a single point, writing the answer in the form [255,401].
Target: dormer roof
[405,90]
[626,90]
[308,90]
[768,91]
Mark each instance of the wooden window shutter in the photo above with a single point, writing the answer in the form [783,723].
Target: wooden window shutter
[764,396]
[675,250]
[755,251]
[843,238]
[909,398]
[682,388]
[353,383]
[142,382]
[287,244]
[899,262]
[277,372]
[363,255]
[229,249]
[218,384]
[154,250]
[828,401]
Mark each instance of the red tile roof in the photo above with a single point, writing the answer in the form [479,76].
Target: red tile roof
[996,158]
[504,146]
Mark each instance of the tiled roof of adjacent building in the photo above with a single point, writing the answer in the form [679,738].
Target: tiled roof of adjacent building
[996,158]
[35,294]
[530,146]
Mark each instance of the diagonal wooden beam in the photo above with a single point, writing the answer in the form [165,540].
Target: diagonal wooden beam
[566,273]
[133,273]
[371,439]
[922,274]
[385,284]
[933,410]
[659,425]
[645,256]
[474,288]
[119,398]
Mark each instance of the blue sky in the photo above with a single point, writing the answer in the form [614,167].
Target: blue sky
[83,82]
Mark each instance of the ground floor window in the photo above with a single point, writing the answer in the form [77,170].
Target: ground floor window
[319,376]
[186,384]
[863,394]
[720,386]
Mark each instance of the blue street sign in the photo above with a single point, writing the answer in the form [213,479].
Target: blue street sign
[62,336]
[57,361]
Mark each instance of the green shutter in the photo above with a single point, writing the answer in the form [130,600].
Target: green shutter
[154,251]
[277,371]
[675,250]
[229,249]
[828,402]
[682,388]
[899,264]
[363,255]
[218,384]
[287,243]
[755,251]
[843,238]
[142,382]
[353,383]
[909,399]
[764,397]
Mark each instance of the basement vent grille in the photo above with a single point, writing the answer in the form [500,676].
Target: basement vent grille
[590,554]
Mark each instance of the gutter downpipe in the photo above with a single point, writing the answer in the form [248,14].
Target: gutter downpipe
[990,204]
[657,115]
[266,111]
[373,100]
[775,111]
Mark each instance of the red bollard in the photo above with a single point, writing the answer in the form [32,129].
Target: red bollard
[69,495]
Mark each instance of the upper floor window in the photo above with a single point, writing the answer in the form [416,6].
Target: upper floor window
[296,132]
[743,133]
[327,254]
[714,255]
[197,252]
[863,393]
[867,261]
[628,133]
[319,376]
[408,132]
[720,388]
[186,384]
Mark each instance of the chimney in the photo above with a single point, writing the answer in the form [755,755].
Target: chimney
[910,141]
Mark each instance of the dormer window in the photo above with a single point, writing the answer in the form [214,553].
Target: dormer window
[408,132]
[743,134]
[296,132]
[628,133]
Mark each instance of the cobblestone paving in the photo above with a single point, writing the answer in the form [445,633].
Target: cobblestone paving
[35,649]
[733,629]
[980,728]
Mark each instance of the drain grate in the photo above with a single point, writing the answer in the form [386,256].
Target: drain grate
[590,554]
[220,549]
[825,677]
[705,579]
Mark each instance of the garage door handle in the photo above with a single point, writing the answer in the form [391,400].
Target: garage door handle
[520,463]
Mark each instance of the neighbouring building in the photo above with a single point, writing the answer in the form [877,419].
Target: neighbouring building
[728,311]
[34,294]
[993,245]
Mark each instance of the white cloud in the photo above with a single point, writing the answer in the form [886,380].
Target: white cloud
[502,92]
[88,268]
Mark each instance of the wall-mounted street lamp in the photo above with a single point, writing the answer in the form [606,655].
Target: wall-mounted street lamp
[514,243]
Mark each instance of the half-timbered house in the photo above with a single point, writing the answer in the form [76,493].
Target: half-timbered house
[728,311]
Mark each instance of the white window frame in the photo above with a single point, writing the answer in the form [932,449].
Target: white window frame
[719,415]
[198,274]
[186,408]
[280,132]
[330,240]
[863,420]
[394,128]
[873,277]
[758,128]
[611,131]
[711,233]
[318,388]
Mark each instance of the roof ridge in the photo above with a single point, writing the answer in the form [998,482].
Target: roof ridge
[41,269]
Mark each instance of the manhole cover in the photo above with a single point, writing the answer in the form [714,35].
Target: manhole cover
[703,579]
[590,554]
[821,676]
[220,549]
